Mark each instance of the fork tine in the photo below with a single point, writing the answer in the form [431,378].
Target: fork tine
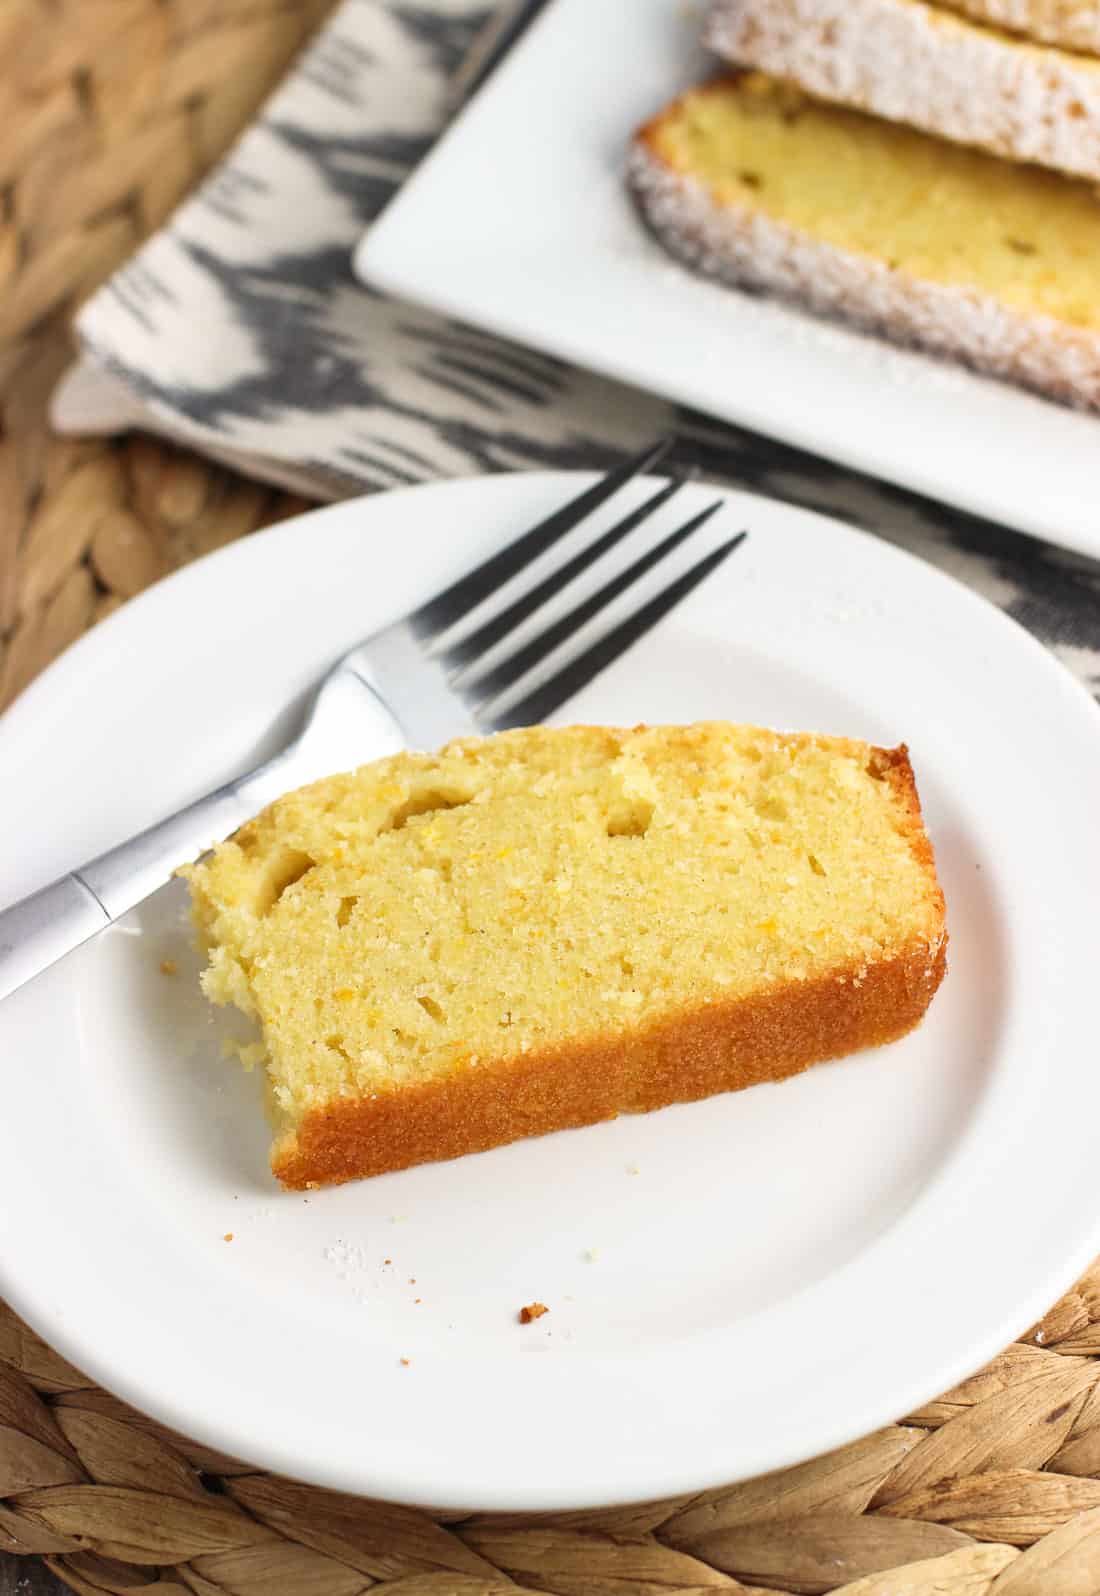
[516,665]
[541,703]
[477,644]
[457,600]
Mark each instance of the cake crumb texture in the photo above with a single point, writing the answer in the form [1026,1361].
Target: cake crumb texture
[547,928]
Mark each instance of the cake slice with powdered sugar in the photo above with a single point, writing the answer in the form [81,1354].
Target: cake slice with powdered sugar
[751,180]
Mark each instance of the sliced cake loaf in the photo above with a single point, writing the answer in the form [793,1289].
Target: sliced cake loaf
[915,63]
[552,927]
[1073,24]
[751,180]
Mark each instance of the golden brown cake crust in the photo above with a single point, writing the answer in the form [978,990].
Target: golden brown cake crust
[720,1048]
[892,765]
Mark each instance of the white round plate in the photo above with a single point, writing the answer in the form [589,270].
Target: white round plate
[881,1225]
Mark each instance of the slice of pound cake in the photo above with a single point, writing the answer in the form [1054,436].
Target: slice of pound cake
[551,927]
[751,180]
[912,62]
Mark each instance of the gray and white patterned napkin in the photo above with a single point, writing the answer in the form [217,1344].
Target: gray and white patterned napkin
[240,329]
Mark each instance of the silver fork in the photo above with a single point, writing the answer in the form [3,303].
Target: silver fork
[414,683]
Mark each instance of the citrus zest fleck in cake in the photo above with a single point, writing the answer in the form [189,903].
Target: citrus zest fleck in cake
[550,927]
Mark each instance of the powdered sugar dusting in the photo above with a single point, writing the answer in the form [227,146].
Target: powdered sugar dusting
[351,1263]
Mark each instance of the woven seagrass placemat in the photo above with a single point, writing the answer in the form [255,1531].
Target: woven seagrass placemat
[113,108]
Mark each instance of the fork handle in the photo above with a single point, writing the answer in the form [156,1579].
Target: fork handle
[41,929]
